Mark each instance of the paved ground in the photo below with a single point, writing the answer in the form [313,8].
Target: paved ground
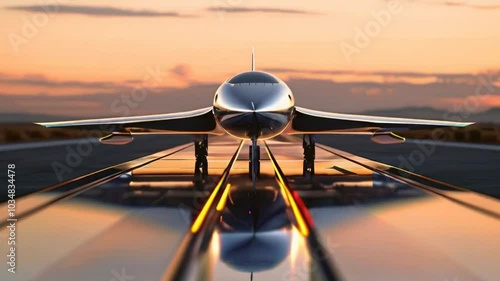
[474,167]
[143,224]
[44,166]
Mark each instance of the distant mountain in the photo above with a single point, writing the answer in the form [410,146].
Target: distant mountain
[489,116]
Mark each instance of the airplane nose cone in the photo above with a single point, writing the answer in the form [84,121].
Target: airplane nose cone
[244,103]
[253,97]
[252,109]
[246,106]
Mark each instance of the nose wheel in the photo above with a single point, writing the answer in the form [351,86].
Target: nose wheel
[254,163]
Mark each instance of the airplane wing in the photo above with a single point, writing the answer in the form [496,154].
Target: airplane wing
[318,122]
[200,121]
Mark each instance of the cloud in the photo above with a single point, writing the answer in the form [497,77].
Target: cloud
[181,71]
[118,102]
[318,93]
[443,77]
[472,6]
[40,80]
[96,11]
[260,10]
[107,11]
[312,88]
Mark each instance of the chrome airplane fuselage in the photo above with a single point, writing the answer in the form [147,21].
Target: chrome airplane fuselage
[254,104]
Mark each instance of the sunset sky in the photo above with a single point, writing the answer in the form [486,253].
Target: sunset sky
[73,57]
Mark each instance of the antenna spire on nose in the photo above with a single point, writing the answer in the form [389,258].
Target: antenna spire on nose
[253,59]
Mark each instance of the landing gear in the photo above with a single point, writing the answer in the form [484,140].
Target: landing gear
[254,163]
[308,143]
[201,153]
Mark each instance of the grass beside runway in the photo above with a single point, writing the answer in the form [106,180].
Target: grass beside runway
[27,132]
[476,133]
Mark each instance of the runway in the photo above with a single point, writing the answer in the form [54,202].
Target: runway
[356,220]
[466,166]
[36,162]
[470,166]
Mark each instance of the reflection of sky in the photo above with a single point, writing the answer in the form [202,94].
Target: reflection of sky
[78,240]
[387,242]
[45,238]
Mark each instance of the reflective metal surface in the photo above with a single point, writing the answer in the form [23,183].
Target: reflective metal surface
[260,107]
[195,121]
[321,122]
[368,225]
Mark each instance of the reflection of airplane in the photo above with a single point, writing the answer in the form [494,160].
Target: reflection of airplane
[249,228]
[253,105]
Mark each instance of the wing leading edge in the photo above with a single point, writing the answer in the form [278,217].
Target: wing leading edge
[318,122]
[200,121]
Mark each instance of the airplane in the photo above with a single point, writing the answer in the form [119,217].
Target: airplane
[257,235]
[253,105]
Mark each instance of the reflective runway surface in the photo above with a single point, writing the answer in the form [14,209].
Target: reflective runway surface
[355,220]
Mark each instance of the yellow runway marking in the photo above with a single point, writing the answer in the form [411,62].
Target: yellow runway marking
[302,226]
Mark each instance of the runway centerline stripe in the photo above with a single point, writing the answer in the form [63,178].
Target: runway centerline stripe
[302,216]
[301,224]
[206,208]
[305,223]
[223,199]
[200,229]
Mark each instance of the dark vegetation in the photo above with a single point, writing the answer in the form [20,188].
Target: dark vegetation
[477,133]
[26,132]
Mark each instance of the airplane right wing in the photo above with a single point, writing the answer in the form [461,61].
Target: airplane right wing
[313,121]
[308,121]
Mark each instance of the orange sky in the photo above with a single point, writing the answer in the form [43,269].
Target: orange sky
[423,36]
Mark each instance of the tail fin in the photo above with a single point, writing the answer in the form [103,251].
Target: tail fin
[253,59]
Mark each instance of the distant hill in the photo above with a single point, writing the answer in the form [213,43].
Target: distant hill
[489,116]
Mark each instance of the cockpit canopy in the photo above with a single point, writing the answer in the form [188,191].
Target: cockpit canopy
[253,77]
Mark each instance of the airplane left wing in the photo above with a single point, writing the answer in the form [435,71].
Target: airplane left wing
[200,121]
[308,121]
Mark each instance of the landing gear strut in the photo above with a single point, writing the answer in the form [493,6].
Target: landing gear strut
[308,143]
[254,164]
[201,152]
